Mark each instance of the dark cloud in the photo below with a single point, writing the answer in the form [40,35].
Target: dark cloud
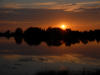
[44,14]
[90,10]
[48,17]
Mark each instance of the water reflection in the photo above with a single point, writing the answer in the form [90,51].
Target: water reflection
[52,36]
[92,49]
[37,65]
[24,53]
[67,58]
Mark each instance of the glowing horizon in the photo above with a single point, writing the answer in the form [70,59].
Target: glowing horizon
[63,26]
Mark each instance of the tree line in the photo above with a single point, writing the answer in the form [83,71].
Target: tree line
[52,36]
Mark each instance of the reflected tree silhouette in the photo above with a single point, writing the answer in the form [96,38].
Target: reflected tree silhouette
[18,35]
[52,36]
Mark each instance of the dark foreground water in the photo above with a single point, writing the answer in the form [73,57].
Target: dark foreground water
[23,59]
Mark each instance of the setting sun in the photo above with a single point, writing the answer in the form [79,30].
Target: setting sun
[63,27]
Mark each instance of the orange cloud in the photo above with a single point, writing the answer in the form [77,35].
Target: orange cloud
[45,3]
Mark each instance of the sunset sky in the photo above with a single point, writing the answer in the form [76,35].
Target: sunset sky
[76,14]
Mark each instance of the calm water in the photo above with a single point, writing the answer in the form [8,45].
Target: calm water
[23,59]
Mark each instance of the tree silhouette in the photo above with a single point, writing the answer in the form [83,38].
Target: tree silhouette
[52,36]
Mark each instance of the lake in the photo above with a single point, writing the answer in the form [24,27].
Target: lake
[25,59]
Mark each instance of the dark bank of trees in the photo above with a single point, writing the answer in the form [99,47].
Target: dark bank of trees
[52,36]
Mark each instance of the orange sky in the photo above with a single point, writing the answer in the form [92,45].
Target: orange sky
[76,14]
[24,18]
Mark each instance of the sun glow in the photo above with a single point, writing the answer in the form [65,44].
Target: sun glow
[63,27]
